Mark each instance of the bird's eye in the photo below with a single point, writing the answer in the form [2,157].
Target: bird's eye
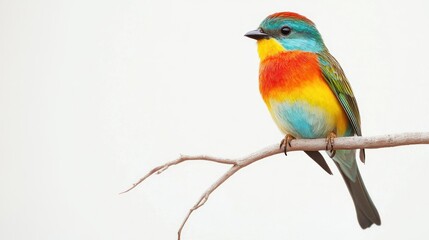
[285,30]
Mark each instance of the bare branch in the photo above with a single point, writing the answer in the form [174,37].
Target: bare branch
[391,140]
[182,158]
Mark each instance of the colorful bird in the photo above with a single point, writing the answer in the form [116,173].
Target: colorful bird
[308,96]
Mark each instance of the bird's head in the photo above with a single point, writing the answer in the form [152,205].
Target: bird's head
[286,31]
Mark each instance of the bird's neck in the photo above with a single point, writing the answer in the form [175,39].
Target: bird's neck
[269,48]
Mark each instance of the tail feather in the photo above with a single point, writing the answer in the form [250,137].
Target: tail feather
[366,211]
[318,158]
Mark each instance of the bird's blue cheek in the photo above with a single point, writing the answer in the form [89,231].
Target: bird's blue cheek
[302,44]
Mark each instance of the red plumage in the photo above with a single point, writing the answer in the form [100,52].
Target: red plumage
[290,15]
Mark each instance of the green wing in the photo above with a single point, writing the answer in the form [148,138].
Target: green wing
[337,81]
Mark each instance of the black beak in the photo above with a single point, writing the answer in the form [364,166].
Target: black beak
[257,34]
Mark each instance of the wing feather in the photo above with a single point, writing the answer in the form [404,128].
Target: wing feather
[337,81]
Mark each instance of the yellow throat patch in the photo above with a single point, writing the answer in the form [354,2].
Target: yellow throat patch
[269,47]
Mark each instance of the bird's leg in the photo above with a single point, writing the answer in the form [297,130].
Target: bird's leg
[330,144]
[286,142]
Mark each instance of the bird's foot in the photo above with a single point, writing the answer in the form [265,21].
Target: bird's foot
[330,144]
[286,142]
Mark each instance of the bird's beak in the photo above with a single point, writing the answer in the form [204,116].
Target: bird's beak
[257,34]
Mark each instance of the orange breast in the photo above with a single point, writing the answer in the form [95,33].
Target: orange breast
[294,79]
[287,71]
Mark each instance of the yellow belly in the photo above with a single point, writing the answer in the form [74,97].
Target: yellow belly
[310,111]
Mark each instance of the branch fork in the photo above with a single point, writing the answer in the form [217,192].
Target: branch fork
[356,142]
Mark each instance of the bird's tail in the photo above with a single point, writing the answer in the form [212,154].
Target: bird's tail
[366,212]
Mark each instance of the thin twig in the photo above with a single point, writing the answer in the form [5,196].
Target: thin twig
[181,159]
[391,140]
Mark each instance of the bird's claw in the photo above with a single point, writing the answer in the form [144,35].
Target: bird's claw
[330,144]
[286,142]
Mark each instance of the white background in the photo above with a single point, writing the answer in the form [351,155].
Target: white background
[93,94]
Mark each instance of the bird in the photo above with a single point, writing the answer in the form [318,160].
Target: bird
[308,96]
